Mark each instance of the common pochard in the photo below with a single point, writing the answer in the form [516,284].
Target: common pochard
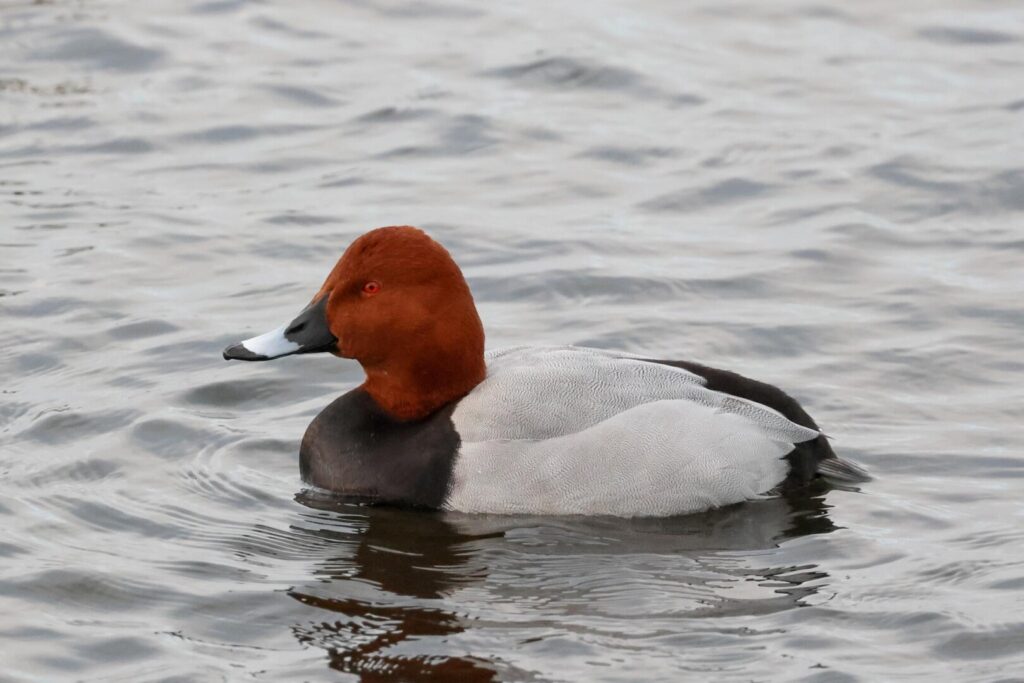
[441,423]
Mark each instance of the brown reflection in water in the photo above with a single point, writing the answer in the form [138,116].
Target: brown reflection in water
[413,557]
[355,645]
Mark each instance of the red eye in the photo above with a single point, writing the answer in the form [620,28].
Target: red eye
[371,287]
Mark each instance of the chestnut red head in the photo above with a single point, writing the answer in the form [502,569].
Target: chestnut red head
[397,303]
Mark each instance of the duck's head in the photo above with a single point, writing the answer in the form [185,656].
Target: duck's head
[397,303]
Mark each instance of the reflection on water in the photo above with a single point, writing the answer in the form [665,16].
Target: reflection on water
[420,558]
[427,557]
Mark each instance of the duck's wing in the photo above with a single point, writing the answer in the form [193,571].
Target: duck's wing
[546,392]
[566,430]
[656,459]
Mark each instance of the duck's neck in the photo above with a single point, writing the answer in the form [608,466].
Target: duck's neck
[413,388]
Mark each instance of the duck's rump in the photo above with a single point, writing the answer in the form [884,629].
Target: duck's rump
[806,457]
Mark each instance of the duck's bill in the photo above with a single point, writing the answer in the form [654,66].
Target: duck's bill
[308,333]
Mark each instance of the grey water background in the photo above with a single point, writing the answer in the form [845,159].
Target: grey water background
[826,196]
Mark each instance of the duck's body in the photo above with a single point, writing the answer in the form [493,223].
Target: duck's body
[528,430]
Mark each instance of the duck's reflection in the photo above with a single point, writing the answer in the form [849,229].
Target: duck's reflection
[383,577]
[409,555]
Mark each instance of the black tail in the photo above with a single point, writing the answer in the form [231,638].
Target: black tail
[842,473]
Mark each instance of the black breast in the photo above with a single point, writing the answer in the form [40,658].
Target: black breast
[356,449]
[805,457]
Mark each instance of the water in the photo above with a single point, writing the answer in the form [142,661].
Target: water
[827,197]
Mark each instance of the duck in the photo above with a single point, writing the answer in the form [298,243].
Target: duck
[443,424]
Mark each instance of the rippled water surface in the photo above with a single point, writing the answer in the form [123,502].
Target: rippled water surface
[826,196]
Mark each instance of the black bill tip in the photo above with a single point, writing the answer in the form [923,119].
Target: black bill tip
[239,352]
